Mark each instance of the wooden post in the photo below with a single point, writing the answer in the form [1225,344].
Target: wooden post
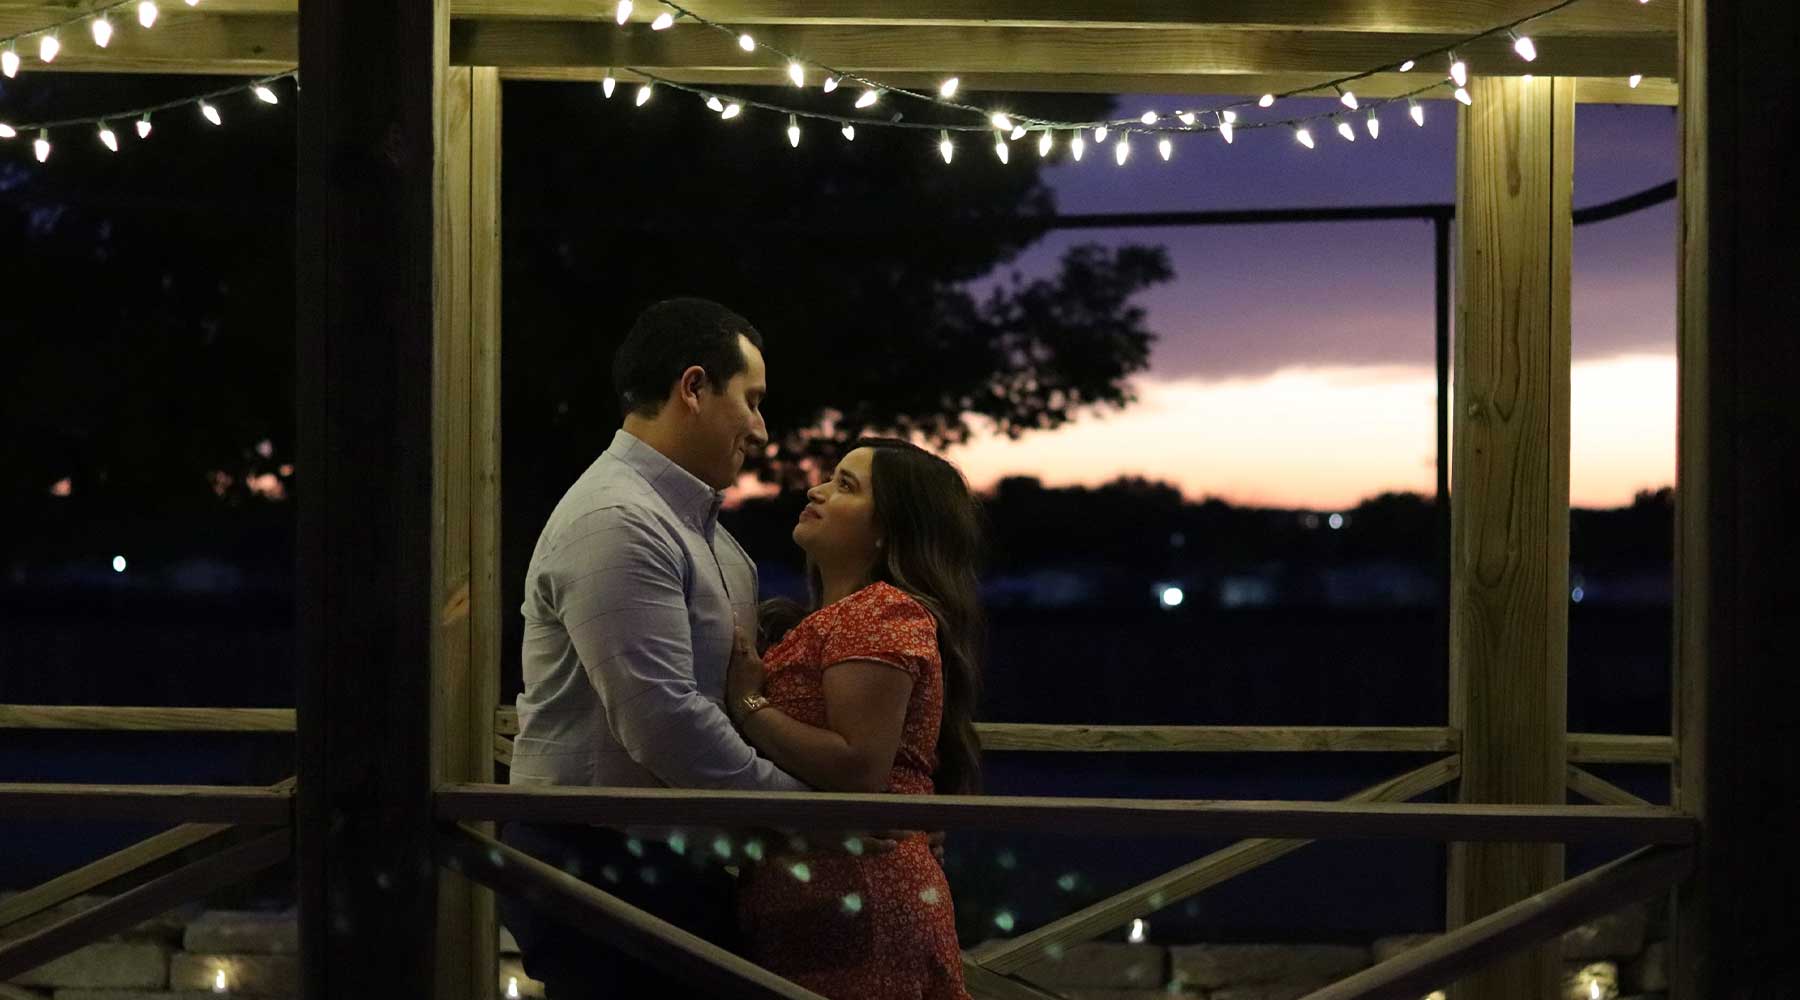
[1737,763]
[466,437]
[1510,498]
[370,144]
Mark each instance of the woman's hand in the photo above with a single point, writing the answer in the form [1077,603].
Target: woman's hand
[745,675]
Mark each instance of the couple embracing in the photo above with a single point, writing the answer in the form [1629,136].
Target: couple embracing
[649,662]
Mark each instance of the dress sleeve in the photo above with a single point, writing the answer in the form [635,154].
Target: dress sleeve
[889,628]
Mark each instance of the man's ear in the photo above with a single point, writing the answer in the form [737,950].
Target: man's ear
[688,389]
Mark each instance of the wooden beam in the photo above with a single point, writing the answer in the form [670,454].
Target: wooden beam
[151,719]
[1510,502]
[128,909]
[109,870]
[1430,966]
[712,970]
[985,985]
[370,146]
[1611,748]
[1216,739]
[1737,493]
[183,41]
[147,803]
[1598,790]
[1170,888]
[1115,817]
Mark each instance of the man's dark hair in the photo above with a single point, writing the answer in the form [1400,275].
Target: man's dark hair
[669,338]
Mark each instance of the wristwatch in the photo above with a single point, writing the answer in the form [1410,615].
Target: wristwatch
[750,704]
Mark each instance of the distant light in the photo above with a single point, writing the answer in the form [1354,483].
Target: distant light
[1577,594]
[1336,521]
[1635,79]
[1139,931]
[1004,920]
[746,43]
[218,980]
[512,988]
[118,564]
[1171,596]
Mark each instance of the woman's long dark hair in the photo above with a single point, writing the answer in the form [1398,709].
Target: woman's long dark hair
[931,530]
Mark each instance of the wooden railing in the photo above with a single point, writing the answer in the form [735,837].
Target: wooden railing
[1273,830]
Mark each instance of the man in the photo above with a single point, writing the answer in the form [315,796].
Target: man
[631,603]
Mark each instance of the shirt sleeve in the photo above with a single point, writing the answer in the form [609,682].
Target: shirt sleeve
[891,628]
[619,592]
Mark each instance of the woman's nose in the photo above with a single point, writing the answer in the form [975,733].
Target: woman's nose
[816,494]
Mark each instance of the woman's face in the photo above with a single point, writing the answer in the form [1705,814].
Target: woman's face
[838,524]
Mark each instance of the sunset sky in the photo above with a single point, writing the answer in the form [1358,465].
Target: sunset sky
[1294,365]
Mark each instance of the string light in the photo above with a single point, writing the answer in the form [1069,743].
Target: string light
[1634,80]
[1406,67]
[793,131]
[1417,111]
[1187,118]
[108,139]
[623,13]
[946,148]
[1122,149]
[143,126]
[830,84]
[1100,133]
[1077,146]
[147,13]
[1346,98]
[731,111]
[1462,94]
[7,131]
[211,113]
[1227,125]
[1459,71]
[1001,122]
[1344,129]
[662,22]
[1165,147]
[607,84]
[9,61]
[746,43]
[797,73]
[1000,148]
[1374,125]
[1044,143]
[848,131]
[1523,46]
[48,47]
[42,146]
[1304,135]
[103,31]
[1148,118]
[643,94]
[1265,101]
[264,94]
[717,106]
[867,98]
[1018,132]
[947,89]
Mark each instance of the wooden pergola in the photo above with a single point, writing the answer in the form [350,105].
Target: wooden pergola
[399,346]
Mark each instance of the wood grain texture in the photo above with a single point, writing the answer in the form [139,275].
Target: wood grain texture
[147,718]
[1510,497]
[1172,887]
[148,803]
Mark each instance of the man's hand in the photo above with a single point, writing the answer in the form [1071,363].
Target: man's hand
[744,677]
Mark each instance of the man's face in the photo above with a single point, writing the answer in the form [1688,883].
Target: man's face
[731,420]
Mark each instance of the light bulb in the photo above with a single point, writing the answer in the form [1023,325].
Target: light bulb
[218,980]
[1406,67]
[1186,118]
[108,139]
[1165,147]
[830,84]
[1635,79]
[793,131]
[1459,71]
[849,131]
[1122,149]
[797,73]
[1462,94]
[1347,99]
[7,131]
[948,87]
[147,12]
[512,988]
[945,148]
[264,94]
[1226,129]
[607,85]
[1229,115]
[48,47]
[1522,45]
[42,146]
[746,43]
[662,21]
[1077,146]
[867,98]
[1001,122]
[1148,118]
[1044,142]
[9,62]
[643,94]
[1417,111]
[731,111]
[143,126]
[1018,132]
[623,13]
[1344,129]
[1304,135]
[211,113]
[1265,100]
[1374,125]
[102,31]
[1000,149]
[1100,133]
[715,104]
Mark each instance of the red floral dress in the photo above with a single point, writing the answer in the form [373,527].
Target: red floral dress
[875,927]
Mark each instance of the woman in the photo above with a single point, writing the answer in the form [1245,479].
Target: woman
[871,692]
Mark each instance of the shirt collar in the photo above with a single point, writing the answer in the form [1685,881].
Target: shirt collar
[692,500]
